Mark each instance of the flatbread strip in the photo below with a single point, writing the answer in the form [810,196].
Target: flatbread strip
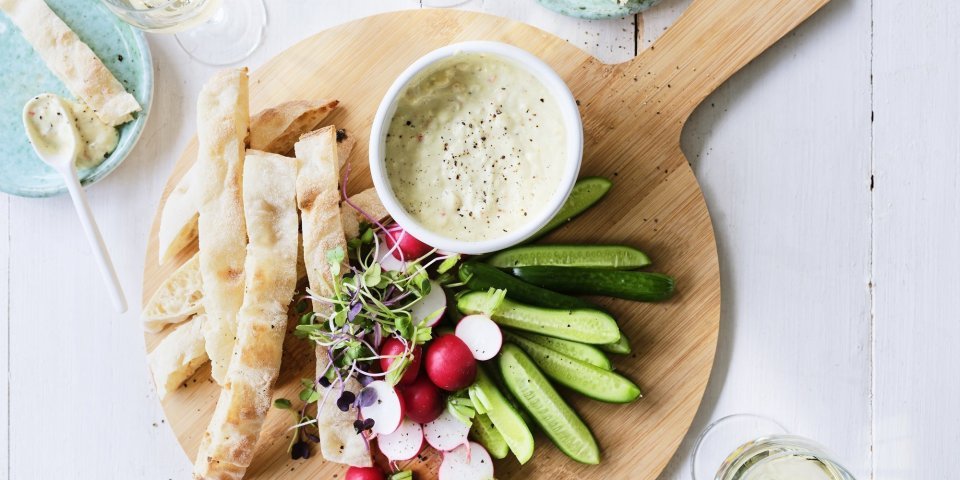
[178,356]
[318,199]
[222,119]
[270,207]
[71,60]
[178,219]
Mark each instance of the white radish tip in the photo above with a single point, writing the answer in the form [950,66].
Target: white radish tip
[481,334]
[431,307]
[386,411]
[467,462]
[447,432]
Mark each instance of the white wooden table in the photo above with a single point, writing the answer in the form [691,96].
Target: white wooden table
[831,166]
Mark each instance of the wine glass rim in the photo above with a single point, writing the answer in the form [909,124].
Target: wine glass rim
[126,6]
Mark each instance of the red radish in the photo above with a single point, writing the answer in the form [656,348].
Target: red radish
[423,400]
[364,473]
[387,410]
[431,307]
[403,444]
[481,334]
[446,432]
[450,363]
[391,351]
[467,462]
[410,248]
[387,261]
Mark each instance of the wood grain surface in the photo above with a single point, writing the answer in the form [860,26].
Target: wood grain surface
[633,114]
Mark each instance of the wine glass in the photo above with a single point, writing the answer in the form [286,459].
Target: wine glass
[214,32]
[751,447]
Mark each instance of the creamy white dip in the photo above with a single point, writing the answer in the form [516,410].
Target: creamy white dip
[49,125]
[476,146]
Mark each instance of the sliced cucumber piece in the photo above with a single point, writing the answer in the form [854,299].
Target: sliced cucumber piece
[554,416]
[584,326]
[621,346]
[642,286]
[594,382]
[581,351]
[586,192]
[485,433]
[617,257]
[482,277]
[505,418]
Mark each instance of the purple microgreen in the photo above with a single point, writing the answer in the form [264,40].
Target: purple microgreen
[367,397]
[313,438]
[362,425]
[346,400]
[300,450]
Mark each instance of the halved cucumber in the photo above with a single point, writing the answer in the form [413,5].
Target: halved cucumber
[485,433]
[642,286]
[505,418]
[482,277]
[554,416]
[621,346]
[580,351]
[617,257]
[594,382]
[586,192]
[585,326]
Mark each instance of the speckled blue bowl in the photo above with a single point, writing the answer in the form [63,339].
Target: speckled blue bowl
[597,9]
[123,50]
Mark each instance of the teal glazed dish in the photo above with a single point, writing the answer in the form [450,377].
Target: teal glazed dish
[598,9]
[122,49]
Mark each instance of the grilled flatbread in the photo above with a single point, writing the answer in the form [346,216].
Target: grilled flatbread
[276,129]
[222,118]
[370,203]
[318,199]
[178,219]
[178,297]
[178,356]
[271,215]
[71,60]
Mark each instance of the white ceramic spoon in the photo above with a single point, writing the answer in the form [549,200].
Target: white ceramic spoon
[54,137]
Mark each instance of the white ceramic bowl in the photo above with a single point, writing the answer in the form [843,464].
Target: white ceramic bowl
[574,146]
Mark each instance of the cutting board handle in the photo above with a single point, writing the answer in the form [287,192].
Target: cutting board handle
[711,41]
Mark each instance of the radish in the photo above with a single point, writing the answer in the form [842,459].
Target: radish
[430,308]
[409,247]
[450,363]
[364,473]
[386,411]
[446,432]
[390,352]
[481,334]
[423,400]
[468,462]
[387,261]
[403,444]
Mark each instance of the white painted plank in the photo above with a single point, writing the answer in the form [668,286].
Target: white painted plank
[611,41]
[4,333]
[782,152]
[916,233]
[655,21]
[80,384]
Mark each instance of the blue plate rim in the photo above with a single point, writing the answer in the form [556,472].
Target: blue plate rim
[142,117]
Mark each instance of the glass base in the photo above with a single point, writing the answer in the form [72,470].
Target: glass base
[229,36]
[724,437]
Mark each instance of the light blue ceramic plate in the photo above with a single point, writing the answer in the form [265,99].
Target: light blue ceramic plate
[598,9]
[23,75]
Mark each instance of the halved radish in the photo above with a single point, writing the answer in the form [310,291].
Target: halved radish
[387,261]
[467,462]
[404,443]
[446,432]
[387,410]
[431,307]
[409,247]
[481,334]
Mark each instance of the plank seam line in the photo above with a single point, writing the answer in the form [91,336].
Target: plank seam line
[872,253]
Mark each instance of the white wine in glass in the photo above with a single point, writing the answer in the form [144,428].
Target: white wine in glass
[215,32]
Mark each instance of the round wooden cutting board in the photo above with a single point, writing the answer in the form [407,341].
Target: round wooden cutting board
[632,115]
